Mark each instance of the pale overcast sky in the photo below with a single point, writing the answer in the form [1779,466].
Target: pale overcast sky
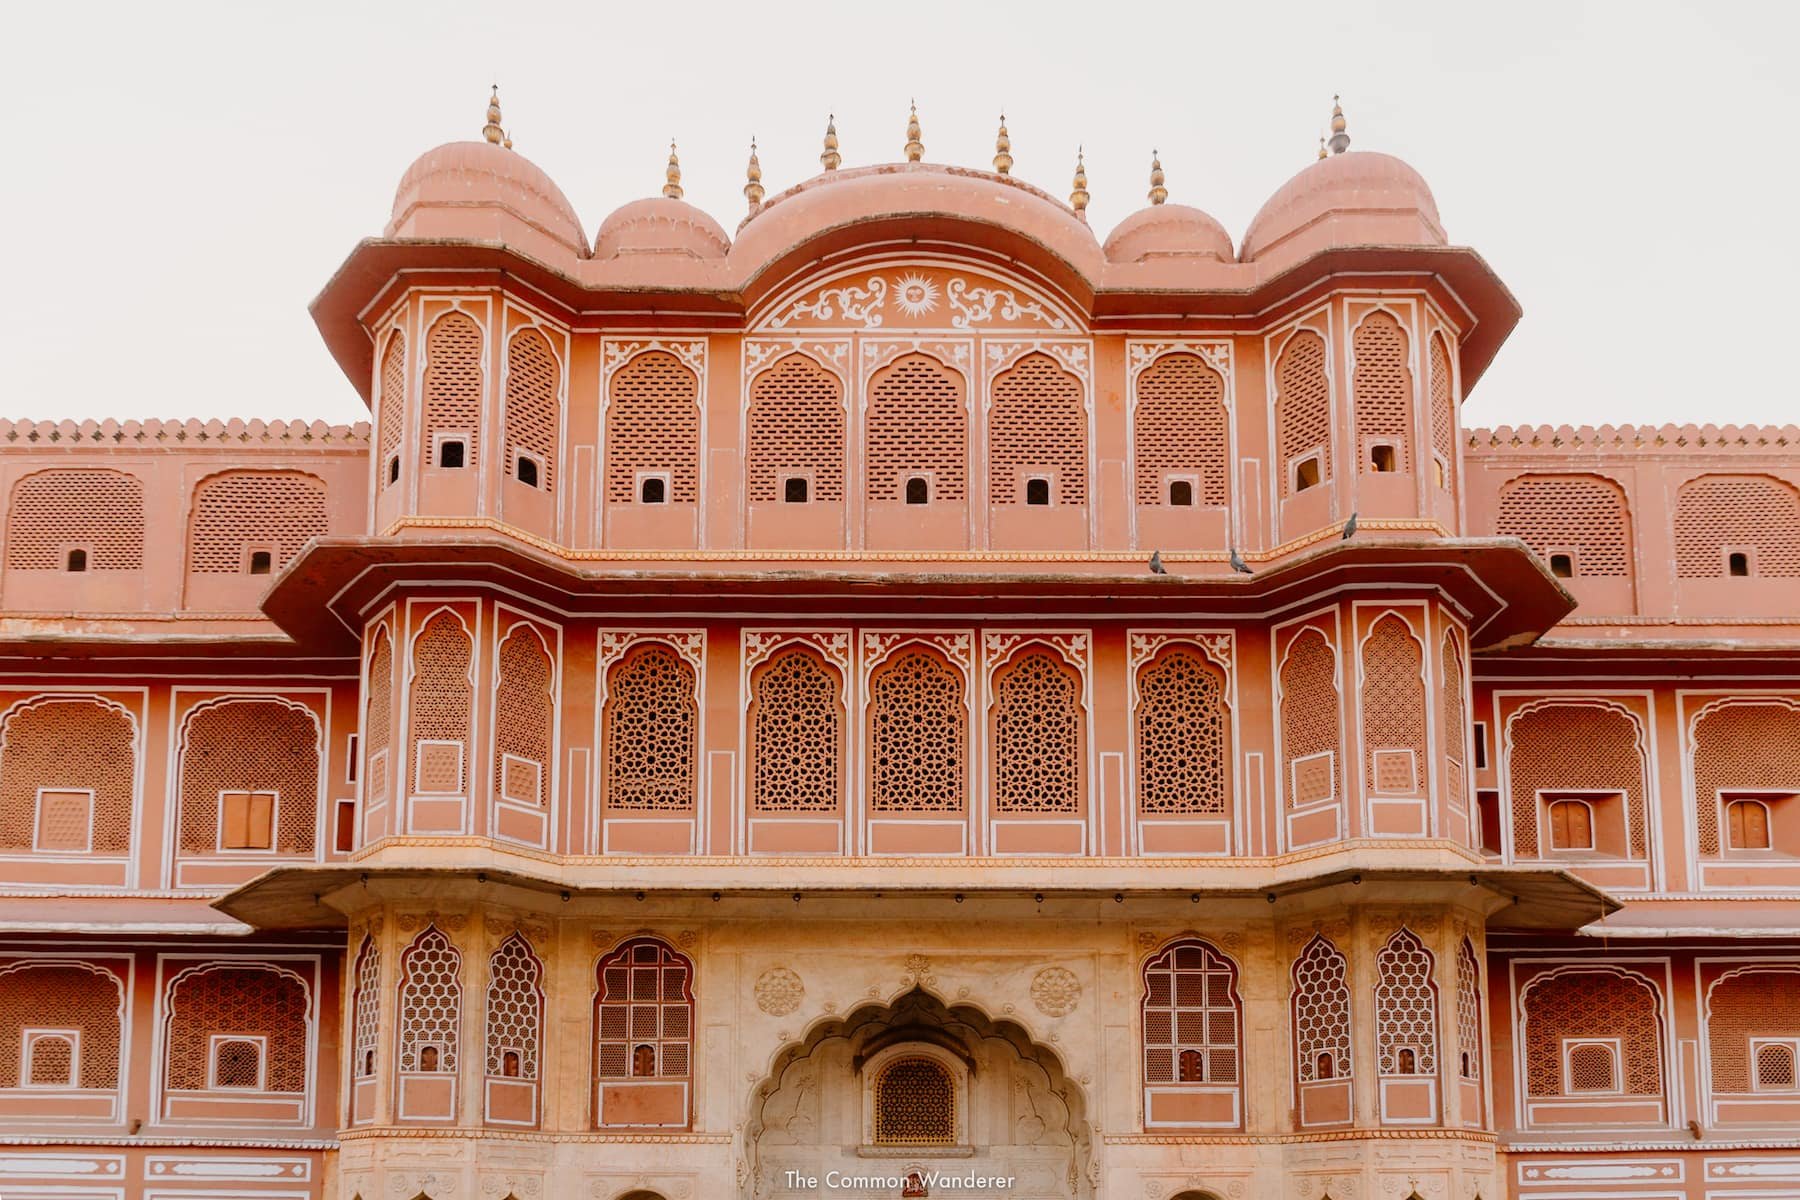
[185,177]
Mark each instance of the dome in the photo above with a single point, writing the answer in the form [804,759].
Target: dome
[1358,198]
[660,225]
[1168,231]
[481,192]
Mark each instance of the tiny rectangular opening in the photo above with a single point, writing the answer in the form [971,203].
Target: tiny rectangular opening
[394,469]
[1037,491]
[1437,472]
[1306,474]
[1737,563]
[1481,749]
[261,561]
[1181,493]
[918,490]
[352,757]
[526,470]
[1487,812]
[1562,566]
[654,490]
[343,832]
[450,453]
[77,560]
[794,489]
[1383,459]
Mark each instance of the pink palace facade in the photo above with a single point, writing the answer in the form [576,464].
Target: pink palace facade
[718,733]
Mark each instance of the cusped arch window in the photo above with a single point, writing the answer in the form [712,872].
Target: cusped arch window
[915,1096]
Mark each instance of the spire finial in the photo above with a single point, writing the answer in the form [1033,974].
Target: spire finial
[1003,159]
[1158,193]
[915,149]
[1322,151]
[831,159]
[1340,141]
[753,188]
[1078,199]
[492,131]
[672,176]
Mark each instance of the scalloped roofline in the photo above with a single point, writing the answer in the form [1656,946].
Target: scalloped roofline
[178,432]
[1561,438]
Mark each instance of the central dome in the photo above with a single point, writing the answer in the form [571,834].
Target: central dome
[1358,198]
[1168,231]
[660,225]
[482,192]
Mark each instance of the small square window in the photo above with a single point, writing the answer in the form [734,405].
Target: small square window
[1737,563]
[1562,566]
[526,471]
[1037,491]
[918,490]
[246,820]
[77,560]
[261,561]
[394,469]
[1306,474]
[450,453]
[653,490]
[1181,493]
[1383,459]
[795,489]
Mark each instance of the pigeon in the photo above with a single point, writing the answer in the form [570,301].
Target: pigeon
[1238,564]
[1156,563]
[1350,527]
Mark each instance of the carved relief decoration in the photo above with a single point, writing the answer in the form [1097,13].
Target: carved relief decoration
[779,991]
[917,295]
[1056,991]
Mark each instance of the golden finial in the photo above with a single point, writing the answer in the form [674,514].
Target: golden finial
[1340,141]
[492,131]
[915,149]
[1003,159]
[506,140]
[753,188]
[1078,199]
[831,158]
[672,176]
[1158,193]
[1322,153]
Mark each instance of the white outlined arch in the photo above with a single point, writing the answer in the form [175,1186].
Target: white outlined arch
[320,764]
[1646,806]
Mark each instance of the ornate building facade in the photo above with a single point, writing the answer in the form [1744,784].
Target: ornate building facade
[905,698]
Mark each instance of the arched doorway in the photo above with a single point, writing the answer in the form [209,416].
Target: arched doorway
[918,1086]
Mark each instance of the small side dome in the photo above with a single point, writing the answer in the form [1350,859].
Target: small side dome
[660,225]
[1358,198]
[485,193]
[1168,231]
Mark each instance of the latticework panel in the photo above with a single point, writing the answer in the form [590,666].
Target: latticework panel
[391,413]
[918,423]
[52,1062]
[250,746]
[61,996]
[1037,736]
[650,726]
[533,382]
[254,1000]
[365,1010]
[1746,1005]
[1180,727]
[515,1009]
[1574,748]
[1180,428]
[1443,408]
[452,382]
[430,1008]
[1579,514]
[1310,721]
[1393,708]
[1405,1008]
[1303,405]
[1468,1012]
[73,745]
[796,734]
[1455,730]
[1037,422]
[1192,1016]
[524,719]
[101,512]
[1596,1004]
[915,1104]
[1737,511]
[378,717]
[644,1013]
[653,424]
[918,735]
[796,424]
[1750,746]
[1382,386]
[441,695]
[1322,1012]
[277,511]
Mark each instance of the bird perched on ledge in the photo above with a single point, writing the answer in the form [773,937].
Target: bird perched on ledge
[1238,564]
[1156,563]
[1350,528]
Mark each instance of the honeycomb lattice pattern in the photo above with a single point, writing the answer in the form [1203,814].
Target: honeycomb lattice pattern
[1191,1016]
[1592,1069]
[796,424]
[236,1064]
[1309,720]
[1405,1007]
[250,746]
[1574,748]
[378,718]
[1774,1068]
[392,412]
[1468,1012]
[1443,409]
[644,1013]
[1596,1004]
[533,381]
[1750,1004]
[1583,515]
[365,1010]
[918,735]
[452,383]
[1456,732]
[1393,708]
[61,996]
[52,1062]
[523,716]
[651,723]
[1382,385]
[1303,410]
[653,424]
[70,744]
[918,423]
[515,1008]
[430,1002]
[99,511]
[1037,736]
[796,734]
[1737,511]
[1037,422]
[1180,428]
[1322,1012]
[915,1104]
[278,511]
[440,700]
[247,999]
[1180,727]
[1753,747]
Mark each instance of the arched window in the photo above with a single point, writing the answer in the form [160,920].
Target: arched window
[1443,412]
[533,382]
[1756,515]
[1753,1029]
[918,735]
[1180,724]
[1571,825]
[1382,391]
[1456,734]
[1469,1038]
[524,718]
[1566,747]
[918,427]
[68,770]
[1179,427]
[440,700]
[100,511]
[1731,754]
[74,1010]
[237,1026]
[1406,1018]
[1747,824]
[378,720]
[796,733]
[915,1103]
[1309,721]
[650,725]
[452,407]
[1581,516]
[1037,425]
[239,513]
[249,778]
[653,428]
[1192,1017]
[365,1010]
[644,1013]
[1039,748]
[1393,708]
[1566,1012]
[1303,412]
[795,430]
[1322,1012]
[391,412]
[430,1009]
[515,1010]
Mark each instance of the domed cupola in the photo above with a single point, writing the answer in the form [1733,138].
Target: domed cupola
[1167,231]
[664,224]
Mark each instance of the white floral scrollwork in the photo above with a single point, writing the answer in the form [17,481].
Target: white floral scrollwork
[858,304]
[977,305]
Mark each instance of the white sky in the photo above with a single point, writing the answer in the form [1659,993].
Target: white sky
[185,177]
